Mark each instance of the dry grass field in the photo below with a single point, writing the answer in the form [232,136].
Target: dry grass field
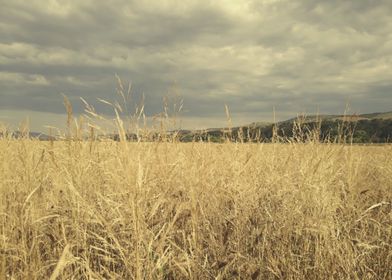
[120,210]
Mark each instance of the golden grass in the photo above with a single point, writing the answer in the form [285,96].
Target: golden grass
[118,210]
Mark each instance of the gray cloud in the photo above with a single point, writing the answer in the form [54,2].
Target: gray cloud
[252,55]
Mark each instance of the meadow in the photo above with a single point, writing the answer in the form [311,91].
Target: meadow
[93,209]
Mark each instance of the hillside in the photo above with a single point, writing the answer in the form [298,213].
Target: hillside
[32,135]
[364,128]
[353,117]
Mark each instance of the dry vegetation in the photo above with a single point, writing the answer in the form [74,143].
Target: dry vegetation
[82,208]
[120,210]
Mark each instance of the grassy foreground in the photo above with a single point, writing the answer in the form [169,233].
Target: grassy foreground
[116,210]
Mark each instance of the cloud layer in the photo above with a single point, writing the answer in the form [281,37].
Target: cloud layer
[252,55]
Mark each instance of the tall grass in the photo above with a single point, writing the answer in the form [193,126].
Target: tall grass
[88,209]
[120,210]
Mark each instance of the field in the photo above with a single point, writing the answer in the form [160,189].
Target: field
[120,210]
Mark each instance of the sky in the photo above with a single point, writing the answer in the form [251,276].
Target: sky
[256,56]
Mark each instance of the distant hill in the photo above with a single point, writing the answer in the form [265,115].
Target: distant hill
[354,117]
[363,128]
[383,116]
[32,135]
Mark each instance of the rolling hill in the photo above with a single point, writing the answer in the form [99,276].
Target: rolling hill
[363,128]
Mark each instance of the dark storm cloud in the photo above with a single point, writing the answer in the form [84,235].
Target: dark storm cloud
[251,55]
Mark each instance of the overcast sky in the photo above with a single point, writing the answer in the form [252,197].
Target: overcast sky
[299,56]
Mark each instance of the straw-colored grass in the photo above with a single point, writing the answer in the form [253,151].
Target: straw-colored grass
[118,210]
